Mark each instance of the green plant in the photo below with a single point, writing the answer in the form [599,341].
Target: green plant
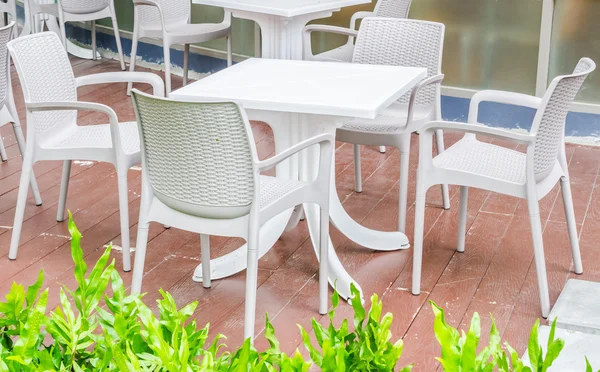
[459,351]
[588,366]
[368,348]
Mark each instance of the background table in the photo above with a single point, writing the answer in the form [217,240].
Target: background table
[301,99]
[281,21]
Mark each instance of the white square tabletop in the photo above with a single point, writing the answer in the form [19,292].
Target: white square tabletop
[307,87]
[282,8]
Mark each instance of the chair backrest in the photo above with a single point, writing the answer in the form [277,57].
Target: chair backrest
[46,75]
[392,8]
[5,34]
[402,42]
[83,6]
[175,11]
[549,122]
[199,156]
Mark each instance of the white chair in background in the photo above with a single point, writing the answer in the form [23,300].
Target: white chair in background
[89,10]
[383,8]
[531,175]
[7,103]
[9,11]
[201,173]
[401,42]
[169,21]
[50,93]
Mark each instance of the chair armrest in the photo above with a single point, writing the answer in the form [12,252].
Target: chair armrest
[308,30]
[527,139]
[322,140]
[158,86]
[509,98]
[359,15]
[71,105]
[83,106]
[436,79]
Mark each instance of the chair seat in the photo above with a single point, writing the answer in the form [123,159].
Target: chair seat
[98,137]
[483,159]
[273,188]
[341,54]
[392,119]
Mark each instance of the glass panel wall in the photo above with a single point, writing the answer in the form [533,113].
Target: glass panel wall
[489,43]
[575,35]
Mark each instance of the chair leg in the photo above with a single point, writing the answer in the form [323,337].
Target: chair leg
[124,216]
[439,138]
[140,255]
[403,197]
[64,187]
[3,154]
[133,55]
[205,257]
[167,57]
[324,261]
[21,144]
[357,169]
[229,52]
[538,250]
[418,242]
[251,282]
[571,223]
[20,208]
[382,149]
[462,218]
[94,44]
[118,40]
[186,63]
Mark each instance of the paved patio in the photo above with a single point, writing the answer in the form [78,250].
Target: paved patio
[496,273]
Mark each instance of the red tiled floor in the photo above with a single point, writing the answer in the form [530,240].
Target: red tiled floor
[496,273]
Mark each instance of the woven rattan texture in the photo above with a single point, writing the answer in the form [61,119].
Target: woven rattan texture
[273,188]
[46,76]
[197,152]
[392,8]
[98,136]
[84,6]
[401,42]
[173,10]
[552,126]
[4,38]
[342,54]
[473,156]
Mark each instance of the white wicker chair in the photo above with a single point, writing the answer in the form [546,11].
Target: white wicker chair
[383,8]
[50,92]
[7,103]
[169,21]
[200,173]
[89,10]
[402,42]
[531,176]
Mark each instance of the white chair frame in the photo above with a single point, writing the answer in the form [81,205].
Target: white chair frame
[49,146]
[245,224]
[68,11]
[534,184]
[401,114]
[9,106]
[185,34]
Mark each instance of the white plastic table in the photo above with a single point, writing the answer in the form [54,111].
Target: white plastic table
[281,21]
[300,99]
